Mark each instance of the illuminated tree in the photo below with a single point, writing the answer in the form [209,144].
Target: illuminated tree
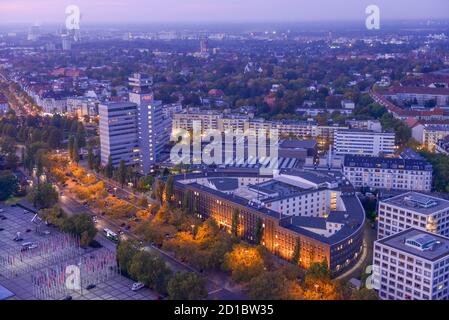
[169,188]
[244,262]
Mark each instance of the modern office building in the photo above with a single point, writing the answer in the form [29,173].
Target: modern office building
[317,211]
[153,127]
[388,173]
[412,265]
[366,143]
[118,133]
[134,131]
[413,210]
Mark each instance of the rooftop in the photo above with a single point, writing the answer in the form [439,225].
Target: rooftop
[418,202]
[387,163]
[298,144]
[429,246]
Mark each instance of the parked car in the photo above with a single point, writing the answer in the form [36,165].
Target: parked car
[137,286]
[90,287]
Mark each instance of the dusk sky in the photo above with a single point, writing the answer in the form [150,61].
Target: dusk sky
[120,11]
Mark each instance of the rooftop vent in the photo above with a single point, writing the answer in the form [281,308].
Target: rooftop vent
[420,201]
[422,242]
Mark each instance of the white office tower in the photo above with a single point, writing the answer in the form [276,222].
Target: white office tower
[153,128]
[362,142]
[411,265]
[118,133]
[413,210]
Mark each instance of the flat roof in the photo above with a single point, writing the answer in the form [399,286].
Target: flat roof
[352,219]
[411,200]
[397,241]
[317,177]
[387,163]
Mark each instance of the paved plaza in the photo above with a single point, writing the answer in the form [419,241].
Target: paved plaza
[20,282]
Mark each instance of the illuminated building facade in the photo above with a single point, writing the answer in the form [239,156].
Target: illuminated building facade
[334,236]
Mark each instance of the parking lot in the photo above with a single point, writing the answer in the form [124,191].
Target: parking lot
[14,220]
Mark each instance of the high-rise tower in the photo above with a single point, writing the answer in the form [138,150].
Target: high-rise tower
[153,128]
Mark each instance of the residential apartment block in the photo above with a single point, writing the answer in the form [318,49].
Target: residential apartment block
[388,173]
[361,142]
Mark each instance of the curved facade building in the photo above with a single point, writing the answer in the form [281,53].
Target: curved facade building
[316,213]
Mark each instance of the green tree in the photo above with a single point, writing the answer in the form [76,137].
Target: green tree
[76,151]
[43,195]
[55,138]
[121,173]
[150,269]
[267,286]
[186,286]
[169,188]
[235,222]
[318,270]
[364,294]
[71,145]
[90,158]
[81,135]
[109,169]
[259,231]
[82,226]
[297,252]
[126,250]
[8,184]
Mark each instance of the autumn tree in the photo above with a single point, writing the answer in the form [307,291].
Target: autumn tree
[169,188]
[244,262]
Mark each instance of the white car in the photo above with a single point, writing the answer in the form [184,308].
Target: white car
[137,286]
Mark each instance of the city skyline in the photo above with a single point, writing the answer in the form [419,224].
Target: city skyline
[200,11]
